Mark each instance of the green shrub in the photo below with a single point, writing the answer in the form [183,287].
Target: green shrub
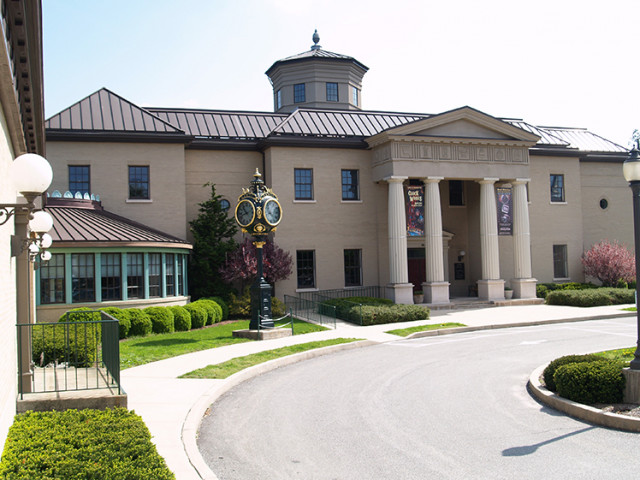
[198,315]
[214,312]
[344,306]
[83,314]
[161,319]
[141,325]
[84,444]
[240,307]
[379,314]
[181,319]
[550,369]
[277,308]
[75,343]
[591,382]
[223,306]
[123,319]
[591,297]
[542,289]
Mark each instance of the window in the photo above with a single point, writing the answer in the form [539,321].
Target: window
[557,188]
[298,93]
[139,183]
[353,268]
[304,183]
[456,193]
[155,275]
[332,92]
[170,277]
[350,185]
[560,268]
[180,275]
[224,204]
[111,276]
[135,275]
[82,278]
[52,280]
[79,179]
[279,99]
[306,268]
[354,96]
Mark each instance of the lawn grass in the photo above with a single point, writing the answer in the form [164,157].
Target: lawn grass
[405,332]
[622,354]
[141,350]
[629,309]
[225,369]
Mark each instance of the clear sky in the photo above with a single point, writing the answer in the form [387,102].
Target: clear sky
[551,62]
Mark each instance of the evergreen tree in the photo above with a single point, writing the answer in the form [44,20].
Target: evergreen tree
[213,232]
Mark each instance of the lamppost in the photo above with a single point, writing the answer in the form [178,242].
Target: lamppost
[631,171]
[31,174]
[258,213]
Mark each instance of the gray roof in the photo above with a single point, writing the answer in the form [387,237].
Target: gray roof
[85,221]
[105,113]
[316,53]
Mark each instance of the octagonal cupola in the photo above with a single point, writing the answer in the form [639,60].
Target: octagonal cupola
[317,79]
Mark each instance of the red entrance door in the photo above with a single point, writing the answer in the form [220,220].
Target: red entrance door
[416,267]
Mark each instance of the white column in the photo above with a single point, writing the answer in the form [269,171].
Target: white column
[399,288]
[436,290]
[491,286]
[524,286]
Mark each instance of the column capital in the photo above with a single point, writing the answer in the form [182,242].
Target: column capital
[432,179]
[486,180]
[395,179]
[520,181]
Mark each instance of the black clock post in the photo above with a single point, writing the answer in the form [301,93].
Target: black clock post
[258,213]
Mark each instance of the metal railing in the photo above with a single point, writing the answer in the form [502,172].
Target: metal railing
[312,311]
[276,324]
[345,312]
[82,353]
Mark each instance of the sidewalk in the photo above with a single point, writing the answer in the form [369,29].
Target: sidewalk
[172,408]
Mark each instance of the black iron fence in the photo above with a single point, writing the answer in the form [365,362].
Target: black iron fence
[81,353]
[312,311]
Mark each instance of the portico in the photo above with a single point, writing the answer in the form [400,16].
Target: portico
[466,146]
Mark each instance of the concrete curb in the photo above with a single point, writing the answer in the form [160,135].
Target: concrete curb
[449,331]
[198,410]
[578,410]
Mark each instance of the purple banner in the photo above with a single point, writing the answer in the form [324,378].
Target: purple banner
[415,210]
[505,211]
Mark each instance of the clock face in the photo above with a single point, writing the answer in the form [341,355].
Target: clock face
[245,212]
[272,212]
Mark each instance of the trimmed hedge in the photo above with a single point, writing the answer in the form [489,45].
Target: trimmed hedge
[181,319]
[550,369]
[123,319]
[161,319]
[198,315]
[542,289]
[75,344]
[140,323]
[379,314]
[591,297]
[81,444]
[223,306]
[83,314]
[214,312]
[344,306]
[591,382]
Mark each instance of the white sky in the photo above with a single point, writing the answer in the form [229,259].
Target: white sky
[552,62]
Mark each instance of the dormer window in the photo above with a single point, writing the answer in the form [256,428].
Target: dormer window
[354,96]
[279,99]
[332,92]
[298,93]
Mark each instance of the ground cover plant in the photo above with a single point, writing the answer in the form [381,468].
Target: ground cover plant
[142,350]
[405,332]
[81,444]
[225,369]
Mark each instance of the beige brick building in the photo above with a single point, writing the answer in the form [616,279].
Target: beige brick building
[454,204]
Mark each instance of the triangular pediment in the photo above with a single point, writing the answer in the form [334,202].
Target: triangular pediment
[462,123]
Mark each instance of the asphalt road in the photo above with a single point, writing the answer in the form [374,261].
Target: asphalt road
[451,407]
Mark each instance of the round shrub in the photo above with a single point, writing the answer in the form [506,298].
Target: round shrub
[214,312]
[198,315]
[72,344]
[84,314]
[223,306]
[123,319]
[161,319]
[181,319]
[277,308]
[140,323]
[591,382]
[550,369]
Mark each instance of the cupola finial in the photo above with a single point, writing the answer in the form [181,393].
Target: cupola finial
[316,39]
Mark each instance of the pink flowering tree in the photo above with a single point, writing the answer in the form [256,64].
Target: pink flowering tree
[242,264]
[609,262]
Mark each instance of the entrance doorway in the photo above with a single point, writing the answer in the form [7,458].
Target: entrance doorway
[417,267]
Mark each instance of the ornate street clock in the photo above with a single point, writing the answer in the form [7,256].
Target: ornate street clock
[258,213]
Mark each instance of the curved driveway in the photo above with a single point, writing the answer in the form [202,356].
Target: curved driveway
[449,407]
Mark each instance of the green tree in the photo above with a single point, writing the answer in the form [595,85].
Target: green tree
[213,232]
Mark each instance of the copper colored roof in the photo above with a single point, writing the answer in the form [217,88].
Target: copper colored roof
[86,222]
